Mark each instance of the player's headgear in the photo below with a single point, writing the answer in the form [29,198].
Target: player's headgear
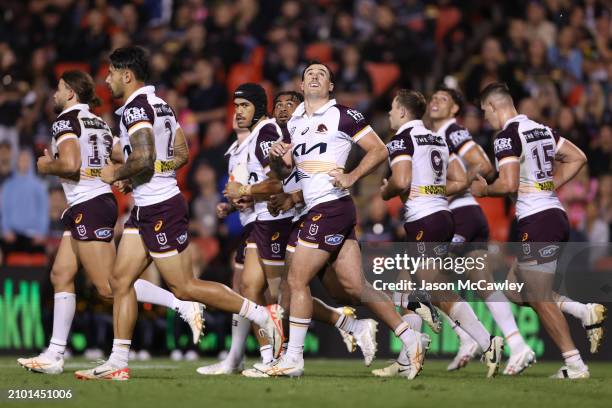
[255,94]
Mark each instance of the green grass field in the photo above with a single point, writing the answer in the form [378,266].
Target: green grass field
[327,383]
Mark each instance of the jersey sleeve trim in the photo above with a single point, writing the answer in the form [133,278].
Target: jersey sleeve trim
[400,158]
[64,137]
[466,147]
[509,159]
[139,125]
[361,133]
[559,144]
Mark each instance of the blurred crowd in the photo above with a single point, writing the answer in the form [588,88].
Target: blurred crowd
[555,55]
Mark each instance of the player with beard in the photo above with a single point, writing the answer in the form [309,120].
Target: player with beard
[154,146]
[81,144]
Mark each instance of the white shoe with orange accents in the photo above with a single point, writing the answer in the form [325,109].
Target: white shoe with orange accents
[42,364]
[273,328]
[105,371]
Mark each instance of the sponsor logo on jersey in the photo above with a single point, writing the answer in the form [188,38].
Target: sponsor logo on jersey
[317,217]
[396,145]
[61,126]
[548,251]
[162,166]
[158,225]
[432,190]
[335,239]
[296,176]
[300,150]
[81,230]
[313,229]
[321,128]
[459,136]
[94,123]
[537,134]
[161,238]
[275,247]
[91,172]
[275,236]
[181,239]
[441,249]
[419,235]
[163,110]
[265,147]
[78,218]
[103,233]
[429,140]
[305,130]
[545,186]
[355,114]
[458,239]
[135,114]
[524,237]
[502,144]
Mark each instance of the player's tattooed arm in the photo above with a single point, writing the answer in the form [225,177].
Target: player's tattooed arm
[260,191]
[399,182]
[569,159]
[67,164]
[117,154]
[139,164]
[181,149]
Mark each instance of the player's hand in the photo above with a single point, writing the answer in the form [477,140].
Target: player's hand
[473,173]
[124,186]
[233,190]
[280,202]
[223,210]
[278,150]
[383,189]
[107,174]
[479,187]
[341,179]
[43,162]
[243,203]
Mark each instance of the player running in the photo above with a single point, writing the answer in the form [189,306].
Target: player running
[322,133]
[81,144]
[472,233]
[155,146]
[422,174]
[533,162]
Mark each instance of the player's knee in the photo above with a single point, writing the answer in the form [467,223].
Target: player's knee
[182,292]
[296,283]
[104,289]
[118,284]
[60,278]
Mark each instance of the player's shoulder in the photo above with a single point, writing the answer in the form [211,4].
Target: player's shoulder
[137,110]
[348,113]
[67,122]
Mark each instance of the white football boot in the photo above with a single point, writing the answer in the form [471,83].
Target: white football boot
[347,338]
[192,314]
[518,362]
[594,325]
[366,339]
[223,367]
[105,371]
[42,364]
[572,373]
[468,349]
[492,357]
[283,367]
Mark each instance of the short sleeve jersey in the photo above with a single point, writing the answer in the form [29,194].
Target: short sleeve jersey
[237,156]
[429,156]
[95,142]
[145,110]
[321,143]
[533,146]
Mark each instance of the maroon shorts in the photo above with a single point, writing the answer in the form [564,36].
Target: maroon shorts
[92,220]
[471,229]
[242,245]
[328,225]
[162,226]
[293,235]
[542,234]
[432,233]
[270,239]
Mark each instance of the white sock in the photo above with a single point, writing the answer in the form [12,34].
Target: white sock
[463,336]
[120,353]
[348,324]
[298,328]
[240,331]
[405,334]
[254,312]
[284,348]
[414,320]
[500,309]
[64,305]
[576,309]
[463,314]
[146,292]
[572,359]
[400,299]
[266,353]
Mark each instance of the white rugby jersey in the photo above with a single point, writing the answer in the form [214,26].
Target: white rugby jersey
[265,134]
[237,169]
[143,109]
[321,143]
[429,156]
[95,143]
[459,142]
[533,146]
[292,185]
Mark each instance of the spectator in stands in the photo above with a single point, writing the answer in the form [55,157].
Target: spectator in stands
[206,98]
[283,64]
[212,152]
[6,165]
[25,209]
[537,25]
[565,56]
[203,206]
[600,159]
[353,86]
[378,226]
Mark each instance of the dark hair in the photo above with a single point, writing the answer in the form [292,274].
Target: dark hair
[496,88]
[82,85]
[316,62]
[134,58]
[293,94]
[414,101]
[455,95]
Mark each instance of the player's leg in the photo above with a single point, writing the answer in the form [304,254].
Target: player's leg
[592,316]
[63,272]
